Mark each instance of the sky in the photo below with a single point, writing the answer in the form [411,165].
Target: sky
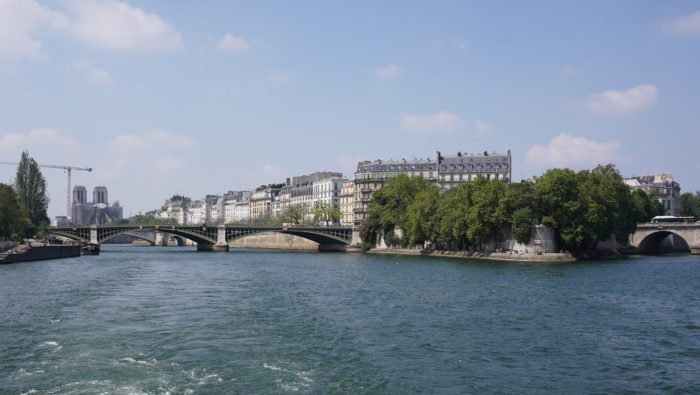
[162,97]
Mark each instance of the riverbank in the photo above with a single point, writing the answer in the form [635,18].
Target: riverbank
[493,256]
[27,253]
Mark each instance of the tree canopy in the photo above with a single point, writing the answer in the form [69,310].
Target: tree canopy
[30,187]
[584,207]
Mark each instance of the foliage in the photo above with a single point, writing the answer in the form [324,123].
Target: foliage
[522,225]
[367,231]
[293,215]
[14,218]
[690,205]
[30,187]
[583,207]
[148,219]
[420,221]
[389,204]
[326,214]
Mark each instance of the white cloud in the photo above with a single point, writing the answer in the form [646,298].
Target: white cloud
[118,26]
[388,71]
[620,102]
[93,73]
[685,25]
[157,139]
[22,22]
[566,150]
[110,24]
[280,77]
[35,139]
[169,163]
[569,71]
[233,44]
[441,121]
[482,128]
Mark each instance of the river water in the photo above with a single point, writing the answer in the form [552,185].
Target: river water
[172,320]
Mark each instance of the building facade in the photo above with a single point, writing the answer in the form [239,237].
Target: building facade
[347,194]
[97,212]
[446,171]
[456,169]
[662,187]
[371,175]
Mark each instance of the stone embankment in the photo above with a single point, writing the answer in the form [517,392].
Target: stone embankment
[26,253]
[510,256]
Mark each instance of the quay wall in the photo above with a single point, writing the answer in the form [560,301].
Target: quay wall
[42,253]
[276,241]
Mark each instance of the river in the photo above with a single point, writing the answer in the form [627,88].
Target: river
[159,320]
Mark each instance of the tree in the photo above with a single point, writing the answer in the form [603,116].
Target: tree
[326,213]
[421,219]
[13,216]
[522,225]
[293,215]
[30,186]
[690,204]
[389,204]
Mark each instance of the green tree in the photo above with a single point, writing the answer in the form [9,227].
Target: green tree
[14,218]
[451,218]
[293,214]
[486,215]
[326,213]
[522,224]
[30,186]
[421,217]
[690,204]
[389,204]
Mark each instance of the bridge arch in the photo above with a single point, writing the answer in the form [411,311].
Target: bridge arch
[663,241]
[133,234]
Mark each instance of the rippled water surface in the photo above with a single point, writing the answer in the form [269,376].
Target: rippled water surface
[171,320]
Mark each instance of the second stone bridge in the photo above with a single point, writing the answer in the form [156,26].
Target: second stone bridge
[213,238]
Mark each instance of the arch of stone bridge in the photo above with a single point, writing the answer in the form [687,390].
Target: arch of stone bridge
[184,233]
[652,242]
[319,237]
[131,233]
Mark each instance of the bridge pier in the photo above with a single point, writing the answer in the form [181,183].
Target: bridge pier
[221,244]
[212,247]
[695,250]
[332,247]
[93,235]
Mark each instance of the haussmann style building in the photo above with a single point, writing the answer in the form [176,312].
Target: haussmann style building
[446,171]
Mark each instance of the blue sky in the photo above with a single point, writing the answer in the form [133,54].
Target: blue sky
[164,97]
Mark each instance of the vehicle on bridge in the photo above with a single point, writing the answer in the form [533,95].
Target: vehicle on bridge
[671,219]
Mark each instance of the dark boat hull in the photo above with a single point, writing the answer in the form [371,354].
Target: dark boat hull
[90,249]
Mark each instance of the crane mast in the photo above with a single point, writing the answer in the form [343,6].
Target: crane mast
[68,170]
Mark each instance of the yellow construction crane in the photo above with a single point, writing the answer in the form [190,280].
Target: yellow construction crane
[68,170]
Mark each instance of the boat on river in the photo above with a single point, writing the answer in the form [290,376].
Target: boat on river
[90,249]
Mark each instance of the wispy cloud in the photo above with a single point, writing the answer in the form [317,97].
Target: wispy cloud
[232,43]
[441,121]
[566,150]
[118,26]
[388,71]
[107,24]
[482,128]
[157,139]
[569,71]
[613,102]
[21,23]
[35,138]
[93,73]
[280,77]
[685,25]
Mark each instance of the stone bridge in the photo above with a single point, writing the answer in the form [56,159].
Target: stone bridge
[212,238]
[649,236]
